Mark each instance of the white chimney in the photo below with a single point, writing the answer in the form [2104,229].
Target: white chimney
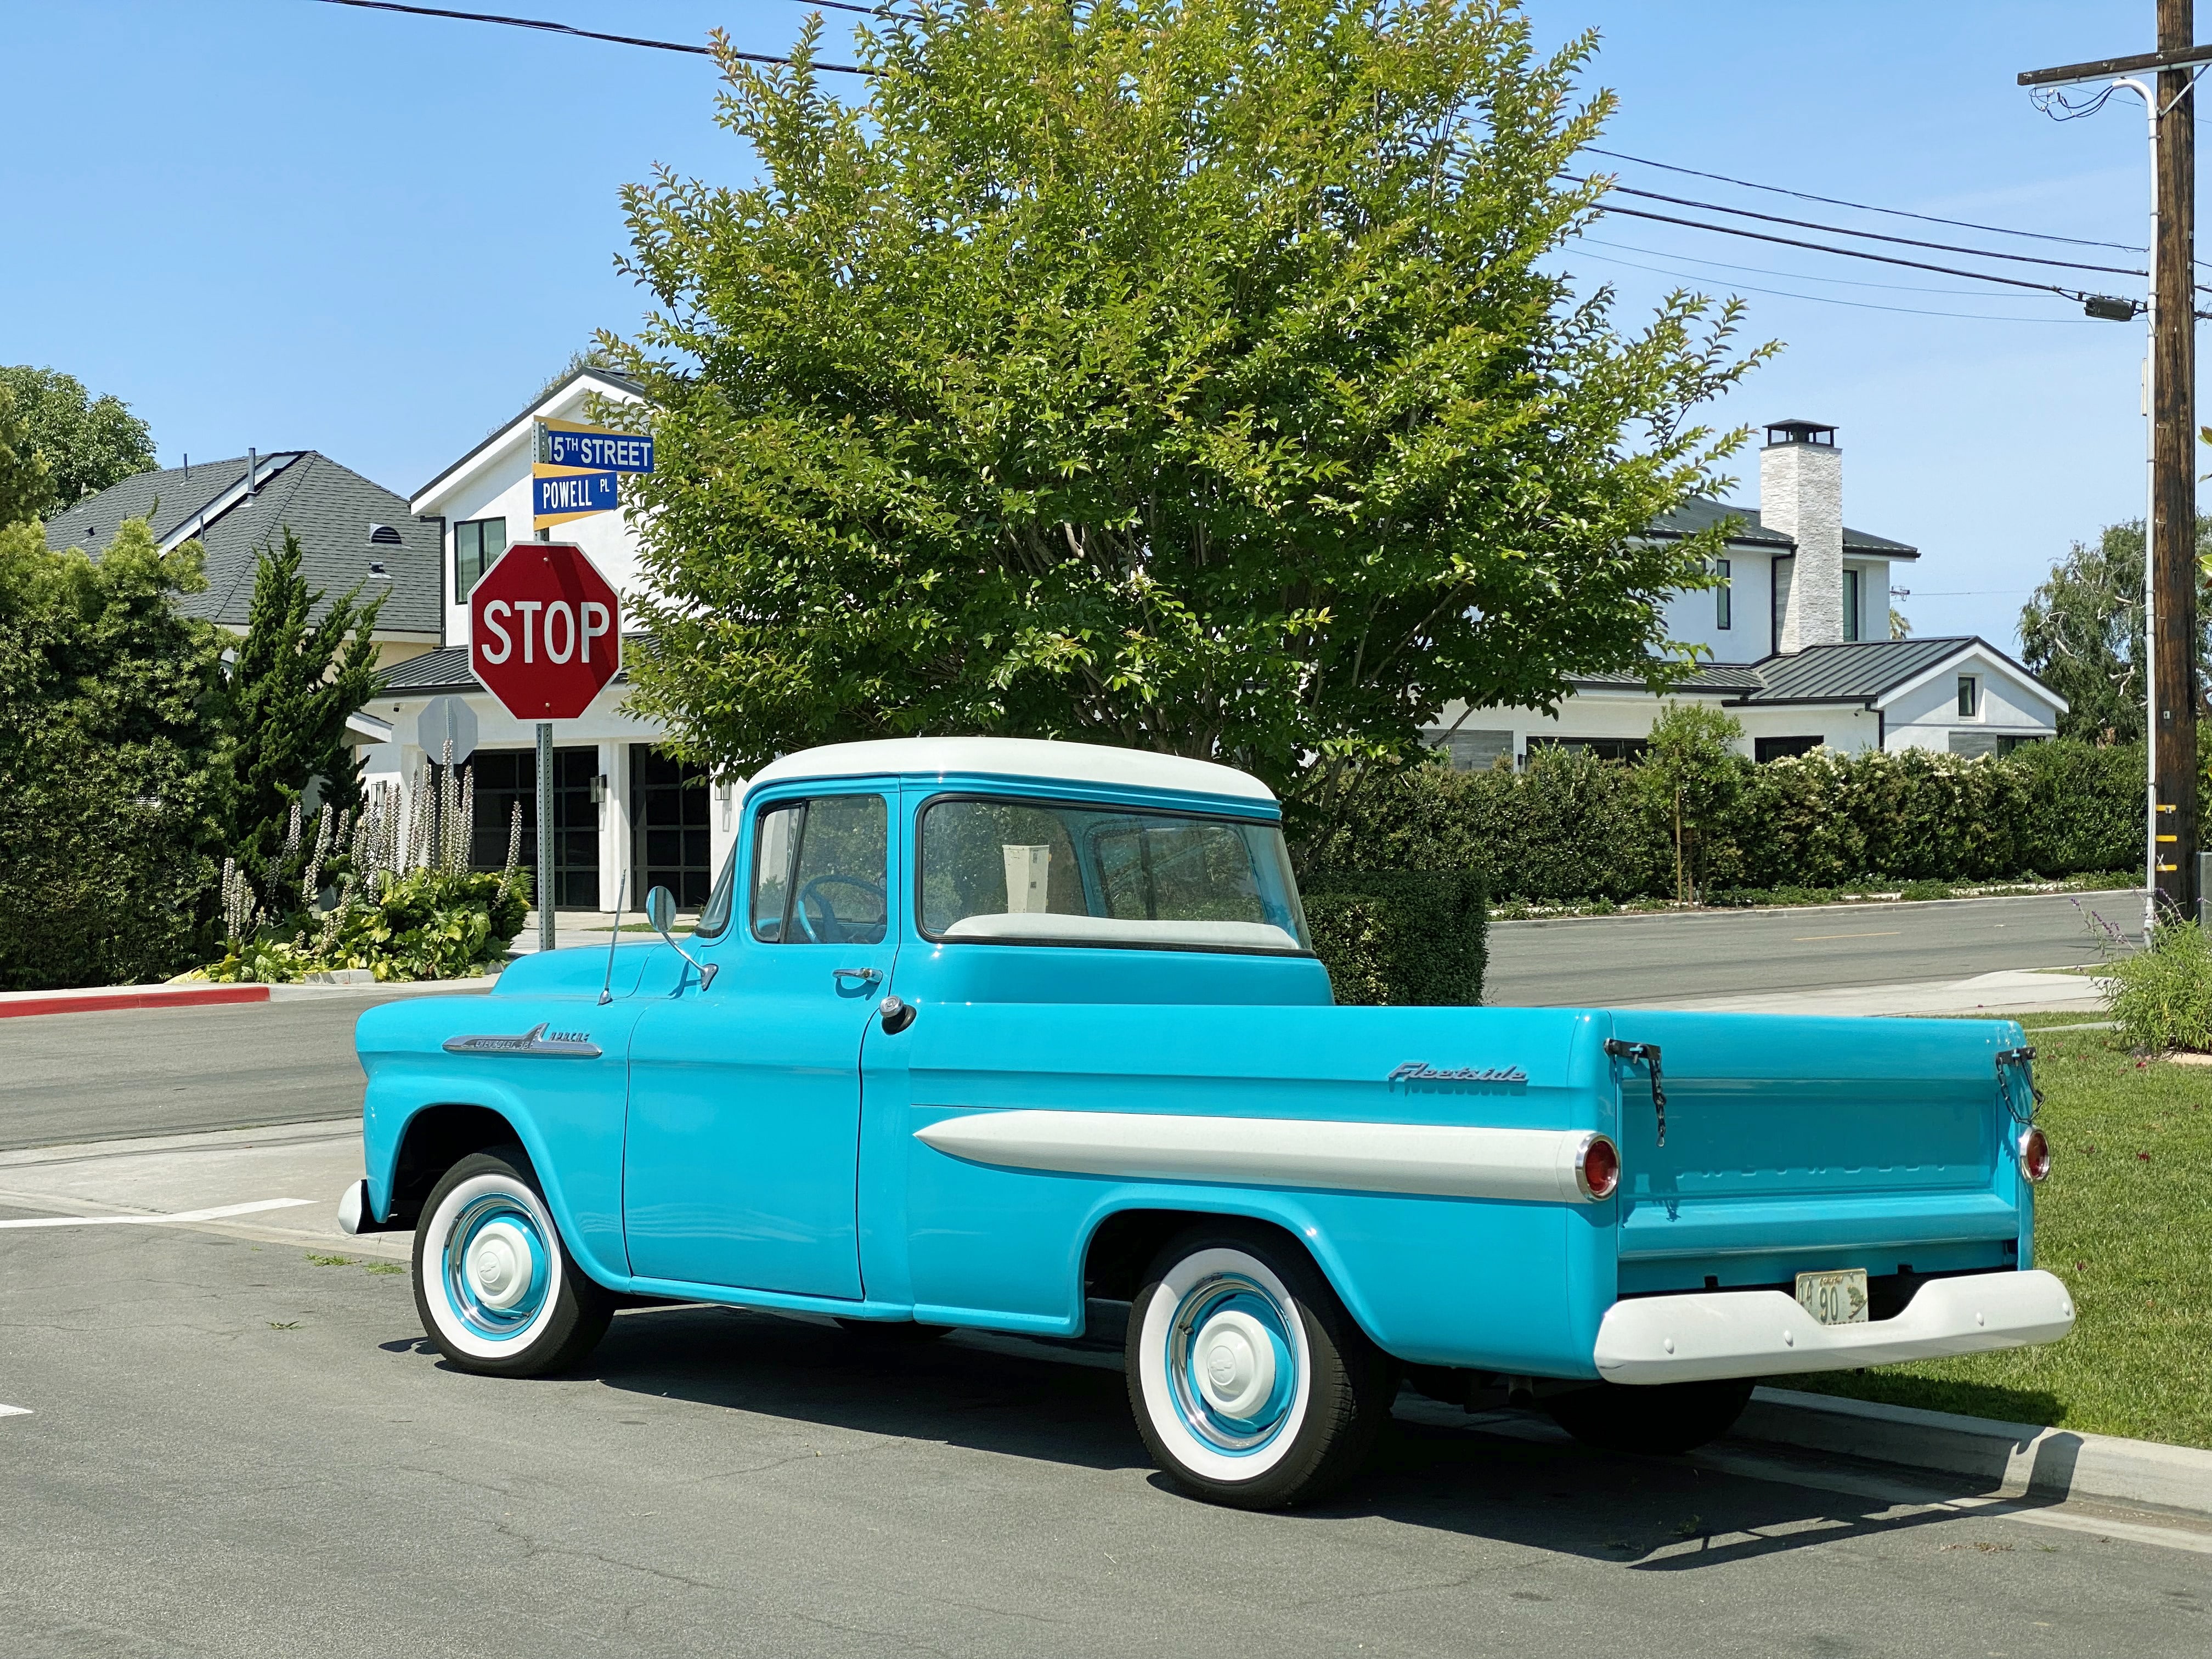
[1801,493]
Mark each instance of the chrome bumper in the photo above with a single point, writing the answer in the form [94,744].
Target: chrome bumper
[356,1216]
[1706,1334]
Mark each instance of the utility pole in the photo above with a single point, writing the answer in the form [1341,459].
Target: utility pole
[2172,691]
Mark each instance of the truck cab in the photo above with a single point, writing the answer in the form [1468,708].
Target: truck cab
[1024,1036]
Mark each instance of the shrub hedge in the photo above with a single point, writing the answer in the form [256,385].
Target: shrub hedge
[1572,828]
[1404,937]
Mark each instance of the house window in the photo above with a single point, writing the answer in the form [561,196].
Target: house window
[1612,749]
[1854,583]
[1774,749]
[1970,698]
[478,544]
[1724,597]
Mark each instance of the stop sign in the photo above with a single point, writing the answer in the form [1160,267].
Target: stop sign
[545,630]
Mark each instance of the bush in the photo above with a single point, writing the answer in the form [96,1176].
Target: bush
[1400,937]
[2161,997]
[2084,805]
[426,924]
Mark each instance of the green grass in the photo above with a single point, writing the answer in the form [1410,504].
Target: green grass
[2126,1220]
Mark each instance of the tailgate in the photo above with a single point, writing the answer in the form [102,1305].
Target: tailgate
[1799,1144]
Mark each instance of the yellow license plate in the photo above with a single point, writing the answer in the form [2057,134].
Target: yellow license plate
[1834,1298]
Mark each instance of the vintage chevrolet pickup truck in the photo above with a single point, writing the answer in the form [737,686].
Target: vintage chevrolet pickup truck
[1027,1037]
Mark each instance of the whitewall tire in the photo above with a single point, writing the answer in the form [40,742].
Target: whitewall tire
[1250,1384]
[496,1288]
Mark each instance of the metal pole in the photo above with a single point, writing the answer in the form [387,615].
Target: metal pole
[545,836]
[2147,92]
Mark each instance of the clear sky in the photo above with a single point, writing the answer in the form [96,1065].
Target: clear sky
[288,225]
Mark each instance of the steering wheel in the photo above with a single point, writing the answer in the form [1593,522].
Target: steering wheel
[829,911]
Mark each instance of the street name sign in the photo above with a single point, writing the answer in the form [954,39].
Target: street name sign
[544,631]
[575,469]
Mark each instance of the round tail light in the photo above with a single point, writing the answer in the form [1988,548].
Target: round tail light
[1598,1169]
[2034,1153]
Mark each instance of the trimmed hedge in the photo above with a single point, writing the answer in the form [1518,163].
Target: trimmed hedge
[1400,937]
[1573,828]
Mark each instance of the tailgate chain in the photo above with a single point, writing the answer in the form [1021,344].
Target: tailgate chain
[1649,1054]
[2023,1057]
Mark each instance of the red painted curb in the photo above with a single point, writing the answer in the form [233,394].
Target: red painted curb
[149,996]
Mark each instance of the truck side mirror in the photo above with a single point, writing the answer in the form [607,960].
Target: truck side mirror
[661,911]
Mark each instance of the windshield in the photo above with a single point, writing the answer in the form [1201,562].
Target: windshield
[1038,871]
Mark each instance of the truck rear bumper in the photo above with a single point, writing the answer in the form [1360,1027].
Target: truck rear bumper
[1707,1334]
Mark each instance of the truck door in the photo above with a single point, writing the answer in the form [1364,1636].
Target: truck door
[745,1106]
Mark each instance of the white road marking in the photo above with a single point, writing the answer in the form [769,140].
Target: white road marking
[14,1411]
[216,1214]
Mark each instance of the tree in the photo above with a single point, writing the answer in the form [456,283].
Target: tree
[1182,373]
[110,751]
[25,488]
[1694,772]
[287,696]
[2082,632]
[88,443]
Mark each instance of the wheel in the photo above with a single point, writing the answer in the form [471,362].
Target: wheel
[498,1291]
[1663,1418]
[1250,1384]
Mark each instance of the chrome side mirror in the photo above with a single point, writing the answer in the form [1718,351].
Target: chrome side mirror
[660,912]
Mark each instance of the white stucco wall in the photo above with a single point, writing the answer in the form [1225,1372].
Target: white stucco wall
[1849,728]
[1924,715]
[1690,615]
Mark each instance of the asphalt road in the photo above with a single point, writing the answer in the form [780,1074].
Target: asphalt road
[155,1070]
[1617,960]
[232,1450]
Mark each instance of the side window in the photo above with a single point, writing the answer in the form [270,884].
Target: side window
[820,872]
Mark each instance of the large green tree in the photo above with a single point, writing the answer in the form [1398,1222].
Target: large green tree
[26,490]
[1196,374]
[2081,631]
[111,751]
[290,684]
[87,443]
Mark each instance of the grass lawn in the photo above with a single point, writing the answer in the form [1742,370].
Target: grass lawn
[2126,1220]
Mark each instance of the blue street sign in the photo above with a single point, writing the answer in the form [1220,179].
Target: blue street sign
[581,492]
[607,451]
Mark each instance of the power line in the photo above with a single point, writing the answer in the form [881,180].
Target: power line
[583,35]
[1794,276]
[1864,207]
[1832,300]
[1851,252]
[1869,235]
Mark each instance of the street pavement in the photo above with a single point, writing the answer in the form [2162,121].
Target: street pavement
[155,1070]
[1675,957]
[228,1438]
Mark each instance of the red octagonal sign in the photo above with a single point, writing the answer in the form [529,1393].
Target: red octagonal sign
[545,630]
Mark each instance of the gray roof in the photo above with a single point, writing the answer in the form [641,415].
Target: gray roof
[330,508]
[435,672]
[1820,673]
[1701,512]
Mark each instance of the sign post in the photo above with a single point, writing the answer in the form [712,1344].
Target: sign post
[545,638]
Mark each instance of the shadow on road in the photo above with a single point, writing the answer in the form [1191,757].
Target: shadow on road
[1527,1487]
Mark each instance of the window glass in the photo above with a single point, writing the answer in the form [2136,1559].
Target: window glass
[1969,702]
[820,872]
[1852,605]
[1039,871]
[1724,597]
[478,544]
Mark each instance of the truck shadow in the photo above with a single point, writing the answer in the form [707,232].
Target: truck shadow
[1507,1478]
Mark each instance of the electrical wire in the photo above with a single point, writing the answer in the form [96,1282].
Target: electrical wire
[1869,235]
[1832,300]
[583,35]
[1864,207]
[1794,276]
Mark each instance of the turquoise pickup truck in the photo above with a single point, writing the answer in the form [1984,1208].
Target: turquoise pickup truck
[1026,1036]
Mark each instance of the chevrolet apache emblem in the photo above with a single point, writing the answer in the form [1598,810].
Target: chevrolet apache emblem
[574,1045]
[1419,1071]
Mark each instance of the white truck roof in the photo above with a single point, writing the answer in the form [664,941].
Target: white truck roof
[1015,757]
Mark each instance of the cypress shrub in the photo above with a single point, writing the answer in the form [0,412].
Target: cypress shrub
[1400,937]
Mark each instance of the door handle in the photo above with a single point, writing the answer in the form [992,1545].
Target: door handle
[866,976]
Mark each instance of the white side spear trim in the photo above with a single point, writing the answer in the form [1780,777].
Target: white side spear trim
[1438,1160]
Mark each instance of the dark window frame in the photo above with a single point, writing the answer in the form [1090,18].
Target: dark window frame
[477,526]
[1723,598]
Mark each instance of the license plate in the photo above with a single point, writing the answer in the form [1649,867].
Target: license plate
[1834,1298]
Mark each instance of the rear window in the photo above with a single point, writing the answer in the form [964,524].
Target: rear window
[1035,872]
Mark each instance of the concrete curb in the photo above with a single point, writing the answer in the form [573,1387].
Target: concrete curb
[14,1004]
[2019,1458]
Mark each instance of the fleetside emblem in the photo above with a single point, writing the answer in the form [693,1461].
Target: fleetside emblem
[1419,1071]
[574,1045]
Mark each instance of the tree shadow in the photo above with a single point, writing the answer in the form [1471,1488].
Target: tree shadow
[1510,1478]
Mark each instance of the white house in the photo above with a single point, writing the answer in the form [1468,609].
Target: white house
[626,818]
[1795,642]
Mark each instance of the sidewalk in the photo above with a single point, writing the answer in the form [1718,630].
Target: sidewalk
[2012,991]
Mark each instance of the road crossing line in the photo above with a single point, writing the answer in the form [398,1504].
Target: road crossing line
[218,1213]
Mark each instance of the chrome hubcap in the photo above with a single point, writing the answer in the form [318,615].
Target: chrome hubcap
[498,1267]
[1231,1365]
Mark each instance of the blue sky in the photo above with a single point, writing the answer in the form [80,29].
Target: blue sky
[284,224]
